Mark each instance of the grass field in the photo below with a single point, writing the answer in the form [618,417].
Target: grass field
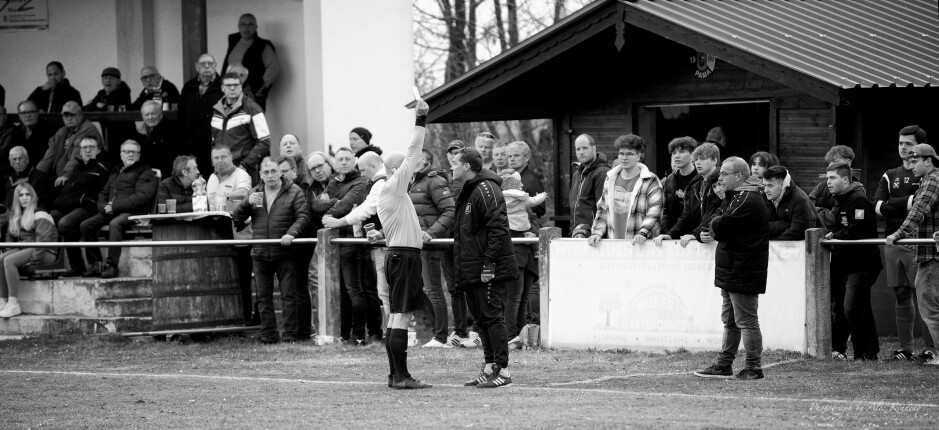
[113,382]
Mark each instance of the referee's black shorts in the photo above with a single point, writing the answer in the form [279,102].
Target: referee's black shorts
[403,271]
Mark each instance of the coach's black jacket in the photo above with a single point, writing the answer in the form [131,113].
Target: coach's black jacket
[742,235]
[481,232]
[854,219]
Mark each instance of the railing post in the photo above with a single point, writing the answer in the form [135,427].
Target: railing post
[817,294]
[545,235]
[327,258]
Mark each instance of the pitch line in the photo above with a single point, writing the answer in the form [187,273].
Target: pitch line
[513,387]
[637,375]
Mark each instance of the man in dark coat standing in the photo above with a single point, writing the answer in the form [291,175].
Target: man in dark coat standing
[791,212]
[586,183]
[196,103]
[484,259]
[254,53]
[741,260]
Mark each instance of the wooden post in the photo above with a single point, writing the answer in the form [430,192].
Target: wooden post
[545,235]
[327,258]
[817,294]
[195,37]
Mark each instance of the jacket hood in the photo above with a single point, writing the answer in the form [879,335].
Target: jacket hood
[426,171]
[644,172]
[753,183]
[852,188]
[368,148]
[600,160]
[349,176]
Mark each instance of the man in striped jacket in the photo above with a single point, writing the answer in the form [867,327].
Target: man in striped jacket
[239,123]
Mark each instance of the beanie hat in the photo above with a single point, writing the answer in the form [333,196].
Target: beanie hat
[364,134]
[512,181]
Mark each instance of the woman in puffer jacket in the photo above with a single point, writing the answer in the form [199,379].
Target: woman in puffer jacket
[26,225]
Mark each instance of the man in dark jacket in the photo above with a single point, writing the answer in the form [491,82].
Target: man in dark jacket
[198,97]
[791,212]
[179,185]
[740,268]
[256,54]
[278,210]
[78,199]
[158,139]
[461,335]
[62,153]
[484,260]
[32,132]
[156,88]
[56,91]
[586,182]
[679,186]
[854,269]
[820,195]
[129,191]
[239,123]
[114,93]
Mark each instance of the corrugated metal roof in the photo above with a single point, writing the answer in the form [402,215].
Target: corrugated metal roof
[850,44]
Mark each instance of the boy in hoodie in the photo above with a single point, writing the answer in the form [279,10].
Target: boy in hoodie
[853,268]
[790,211]
[632,197]
[680,185]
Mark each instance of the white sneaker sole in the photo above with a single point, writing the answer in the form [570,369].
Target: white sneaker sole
[706,375]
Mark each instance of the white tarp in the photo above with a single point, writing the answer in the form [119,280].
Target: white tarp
[620,295]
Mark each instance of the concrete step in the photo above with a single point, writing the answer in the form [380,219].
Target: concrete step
[80,296]
[25,325]
[142,307]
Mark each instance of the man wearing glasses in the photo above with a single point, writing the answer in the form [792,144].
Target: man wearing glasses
[239,123]
[129,191]
[32,133]
[155,87]
[62,155]
[195,110]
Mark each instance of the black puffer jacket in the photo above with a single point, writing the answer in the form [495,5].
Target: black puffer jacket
[742,234]
[481,235]
[130,190]
[430,194]
[172,188]
[289,214]
[587,188]
[318,206]
[346,194]
[83,186]
[794,214]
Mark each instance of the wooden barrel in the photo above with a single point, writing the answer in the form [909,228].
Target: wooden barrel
[195,286]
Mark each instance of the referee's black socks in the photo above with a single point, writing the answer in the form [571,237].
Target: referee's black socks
[398,347]
[391,359]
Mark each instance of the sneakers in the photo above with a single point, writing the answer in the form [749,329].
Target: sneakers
[515,343]
[434,343]
[901,355]
[715,371]
[10,310]
[473,341]
[110,272]
[483,377]
[523,337]
[496,379]
[455,340]
[835,355]
[924,357]
[749,375]
[410,383]
[933,362]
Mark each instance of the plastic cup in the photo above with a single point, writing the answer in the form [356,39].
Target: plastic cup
[221,202]
[368,227]
[260,204]
[122,108]
[161,208]
[171,206]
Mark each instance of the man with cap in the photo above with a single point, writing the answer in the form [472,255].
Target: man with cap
[56,91]
[254,53]
[923,221]
[155,87]
[63,152]
[198,97]
[115,92]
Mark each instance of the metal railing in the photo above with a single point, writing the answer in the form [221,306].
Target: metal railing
[346,241]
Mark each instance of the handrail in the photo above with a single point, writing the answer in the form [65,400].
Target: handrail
[830,242]
[235,242]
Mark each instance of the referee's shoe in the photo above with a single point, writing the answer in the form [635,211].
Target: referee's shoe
[499,378]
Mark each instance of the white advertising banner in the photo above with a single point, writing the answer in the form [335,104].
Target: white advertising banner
[648,297]
[20,14]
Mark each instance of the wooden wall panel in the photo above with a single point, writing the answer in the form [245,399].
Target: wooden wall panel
[804,138]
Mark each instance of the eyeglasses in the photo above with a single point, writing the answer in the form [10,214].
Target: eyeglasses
[148,77]
[269,172]
[725,174]
[206,64]
[318,166]
[231,86]
[129,151]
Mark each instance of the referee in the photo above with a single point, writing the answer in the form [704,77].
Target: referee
[403,258]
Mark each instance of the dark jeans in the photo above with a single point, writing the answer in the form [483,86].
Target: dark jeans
[435,304]
[304,254]
[69,225]
[516,302]
[485,303]
[116,225]
[243,259]
[853,316]
[457,297]
[739,314]
[264,272]
[373,312]
[352,298]
[534,303]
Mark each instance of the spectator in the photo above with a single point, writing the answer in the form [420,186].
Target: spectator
[922,221]
[32,132]
[235,184]
[52,95]
[23,172]
[242,73]
[179,185]
[821,197]
[256,54]
[679,186]
[485,260]
[761,161]
[519,154]
[278,210]
[522,223]
[360,140]
[484,142]
[741,262]
[461,335]
[500,159]
[894,193]
[303,254]
[239,124]
[156,88]
[346,191]
[632,197]
[196,103]
[62,154]
[27,224]
[791,212]
[158,139]
[78,199]
[854,269]
[695,220]
[717,136]
[129,191]
[586,182]
[8,138]
[114,94]
[322,170]
[430,195]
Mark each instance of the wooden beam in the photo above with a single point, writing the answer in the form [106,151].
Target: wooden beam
[817,295]
[734,55]
[327,257]
[647,125]
[195,35]
[774,127]
[545,235]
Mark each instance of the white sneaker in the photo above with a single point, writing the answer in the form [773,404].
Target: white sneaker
[10,310]
[455,340]
[523,336]
[515,343]
[434,343]
[933,362]
[473,341]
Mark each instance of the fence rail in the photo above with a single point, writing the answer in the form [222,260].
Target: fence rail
[235,242]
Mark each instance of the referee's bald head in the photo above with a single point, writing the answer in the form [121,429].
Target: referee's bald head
[369,164]
[393,160]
